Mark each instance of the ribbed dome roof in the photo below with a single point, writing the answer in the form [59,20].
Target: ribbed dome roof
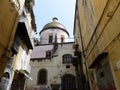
[54,24]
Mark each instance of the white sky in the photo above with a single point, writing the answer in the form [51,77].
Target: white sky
[64,10]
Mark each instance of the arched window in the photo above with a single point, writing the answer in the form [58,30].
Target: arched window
[67,58]
[6,75]
[42,77]
[4,83]
[68,82]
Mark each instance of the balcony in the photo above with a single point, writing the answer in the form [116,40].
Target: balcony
[24,34]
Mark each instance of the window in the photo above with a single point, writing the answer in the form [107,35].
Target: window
[42,77]
[67,58]
[4,81]
[50,38]
[48,54]
[62,38]
[6,75]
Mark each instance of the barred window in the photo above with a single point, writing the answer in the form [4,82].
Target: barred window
[67,58]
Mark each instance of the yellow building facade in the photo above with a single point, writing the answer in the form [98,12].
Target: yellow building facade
[10,12]
[98,22]
[9,17]
[16,43]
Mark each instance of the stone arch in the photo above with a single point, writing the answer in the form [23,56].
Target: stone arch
[42,76]
[68,82]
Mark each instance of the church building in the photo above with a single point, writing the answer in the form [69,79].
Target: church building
[51,60]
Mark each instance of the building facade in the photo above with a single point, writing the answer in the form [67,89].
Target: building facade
[51,60]
[17,69]
[10,11]
[97,33]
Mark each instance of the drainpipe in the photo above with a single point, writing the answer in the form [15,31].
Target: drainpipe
[84,55]
[86,87]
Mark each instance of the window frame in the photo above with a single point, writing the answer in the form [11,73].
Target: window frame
[50,39]
[67,58]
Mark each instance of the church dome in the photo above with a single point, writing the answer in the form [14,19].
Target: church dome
[53,32]
[54,24]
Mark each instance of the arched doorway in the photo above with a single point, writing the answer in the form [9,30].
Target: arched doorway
[42,77]
[68,82]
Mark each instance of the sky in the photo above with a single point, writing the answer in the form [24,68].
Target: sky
[45,10]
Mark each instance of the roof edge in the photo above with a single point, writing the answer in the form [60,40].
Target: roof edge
[55,28]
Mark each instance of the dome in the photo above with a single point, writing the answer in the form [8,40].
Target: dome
[54,24]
